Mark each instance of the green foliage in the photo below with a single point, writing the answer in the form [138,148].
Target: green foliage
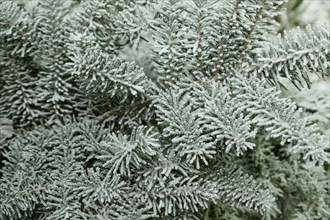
[295,9]
[302,13]
[160,110]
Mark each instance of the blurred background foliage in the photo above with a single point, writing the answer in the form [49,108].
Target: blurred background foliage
[304,12]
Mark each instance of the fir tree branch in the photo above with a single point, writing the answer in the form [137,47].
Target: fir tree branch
[280,117]
[222,45]
[295,57]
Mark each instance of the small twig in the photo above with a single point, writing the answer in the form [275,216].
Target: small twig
[121,110]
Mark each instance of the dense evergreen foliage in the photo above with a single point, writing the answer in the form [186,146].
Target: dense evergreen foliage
[169,109]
